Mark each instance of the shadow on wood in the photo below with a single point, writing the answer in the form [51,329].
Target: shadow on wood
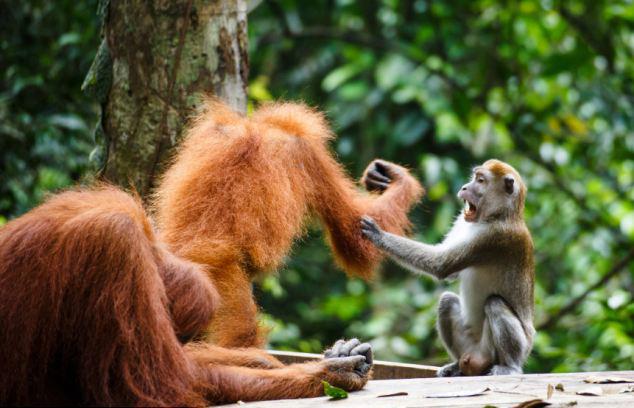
[383,370]
[531,390]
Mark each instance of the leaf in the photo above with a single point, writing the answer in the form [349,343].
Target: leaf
[594,391]
[339,76]
[535,403]
[334,392]
[69,38]
[392,70]
[396,394]
[410,128]
[258,89]
[460,393]
[608,380]
[559,387]
[353,91]
[549,391]
[68,121]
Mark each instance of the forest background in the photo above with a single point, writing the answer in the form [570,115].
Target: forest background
[438,86]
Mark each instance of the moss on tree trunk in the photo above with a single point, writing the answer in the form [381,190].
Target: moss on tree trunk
[165,55]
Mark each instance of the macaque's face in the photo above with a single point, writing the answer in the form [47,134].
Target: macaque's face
[471,193]
[495,190]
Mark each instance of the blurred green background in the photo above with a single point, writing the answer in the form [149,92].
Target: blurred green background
[439,86]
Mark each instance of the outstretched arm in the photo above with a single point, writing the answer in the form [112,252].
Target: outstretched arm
[234,384]
[347,365]
[440,261]
[340,206]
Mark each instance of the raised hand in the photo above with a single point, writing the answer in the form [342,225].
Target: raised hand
[380,174]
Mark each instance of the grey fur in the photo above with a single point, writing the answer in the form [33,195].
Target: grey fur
[493,254]
[448,316]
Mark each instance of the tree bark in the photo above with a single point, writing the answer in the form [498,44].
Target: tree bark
[164,55]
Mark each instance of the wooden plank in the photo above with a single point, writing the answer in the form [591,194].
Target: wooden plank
[503,392]
[383,370]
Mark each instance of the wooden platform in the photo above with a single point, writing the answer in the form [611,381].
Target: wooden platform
[383,370]
[500,391]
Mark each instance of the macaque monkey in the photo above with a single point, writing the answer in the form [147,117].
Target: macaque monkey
[489,327]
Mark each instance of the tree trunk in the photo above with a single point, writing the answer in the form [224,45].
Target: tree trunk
[163,56]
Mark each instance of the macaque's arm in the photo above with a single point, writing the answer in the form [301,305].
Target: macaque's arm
[441,260]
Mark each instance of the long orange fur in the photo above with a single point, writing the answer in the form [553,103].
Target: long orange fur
[92,306]
[240,190]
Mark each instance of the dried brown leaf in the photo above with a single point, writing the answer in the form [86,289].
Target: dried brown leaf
[608,380]
[629,388]
[535,403]
[559,387]
[459,393]
[594,391]
[396,394]
[549,391]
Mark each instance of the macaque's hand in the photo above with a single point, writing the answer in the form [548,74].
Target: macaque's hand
[380,174]
[348,364]
[370,229]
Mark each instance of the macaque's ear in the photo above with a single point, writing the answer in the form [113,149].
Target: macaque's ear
[509,182]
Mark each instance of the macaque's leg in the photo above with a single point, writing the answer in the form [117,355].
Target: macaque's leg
[508,337]
[235,322]
[451,327]
[452,332]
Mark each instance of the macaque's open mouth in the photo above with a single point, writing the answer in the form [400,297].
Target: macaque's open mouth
[470,211]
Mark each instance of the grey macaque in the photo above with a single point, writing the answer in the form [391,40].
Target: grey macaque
[488,329]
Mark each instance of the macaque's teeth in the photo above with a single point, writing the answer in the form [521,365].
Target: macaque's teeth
[469,210]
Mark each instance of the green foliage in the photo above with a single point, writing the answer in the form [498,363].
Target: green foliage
[334,393]
[45,120]
[436,85]
[440,87]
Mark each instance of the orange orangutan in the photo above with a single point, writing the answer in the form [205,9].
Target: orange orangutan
[241,189]
[92,308]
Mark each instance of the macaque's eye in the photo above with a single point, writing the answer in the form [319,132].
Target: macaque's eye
[480,179]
